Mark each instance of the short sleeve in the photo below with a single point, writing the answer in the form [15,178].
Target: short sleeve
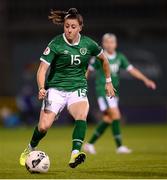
[48,54]
[125,63]
[96,50]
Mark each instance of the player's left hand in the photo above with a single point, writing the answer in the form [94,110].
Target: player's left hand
[41,94]
[150,84]
[110,91]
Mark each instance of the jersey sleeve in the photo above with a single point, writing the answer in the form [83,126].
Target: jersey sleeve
[125,63]
[48,54]
[96,50]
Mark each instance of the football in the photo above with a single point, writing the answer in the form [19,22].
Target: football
[37,162]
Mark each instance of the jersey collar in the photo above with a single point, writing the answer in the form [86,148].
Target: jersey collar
[75,44]
[110,56]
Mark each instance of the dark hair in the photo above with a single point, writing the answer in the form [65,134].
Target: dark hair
[58,17]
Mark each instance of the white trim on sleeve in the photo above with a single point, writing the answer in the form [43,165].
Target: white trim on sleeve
[43,60]
[100,53]
[129,67]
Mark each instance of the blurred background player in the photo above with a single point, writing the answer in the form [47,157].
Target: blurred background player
[109,106]
[67,55]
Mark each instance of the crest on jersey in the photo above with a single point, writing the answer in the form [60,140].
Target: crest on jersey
[83,51]
[47,51]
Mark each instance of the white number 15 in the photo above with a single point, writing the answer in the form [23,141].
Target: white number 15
[75,60]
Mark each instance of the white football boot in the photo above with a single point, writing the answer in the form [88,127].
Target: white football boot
[89,148]
[123,150]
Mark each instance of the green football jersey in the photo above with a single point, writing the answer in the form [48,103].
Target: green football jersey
[69,62]
[117,61]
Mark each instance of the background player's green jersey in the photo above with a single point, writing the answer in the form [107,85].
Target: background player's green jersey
[69,62]
[117,61]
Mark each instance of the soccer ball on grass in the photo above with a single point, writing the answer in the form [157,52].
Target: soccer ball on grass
[37,162]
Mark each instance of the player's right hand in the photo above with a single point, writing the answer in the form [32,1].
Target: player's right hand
[41,94]
[150,84]
[110,91]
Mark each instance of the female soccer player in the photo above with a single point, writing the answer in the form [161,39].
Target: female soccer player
[67,55]
[109,106]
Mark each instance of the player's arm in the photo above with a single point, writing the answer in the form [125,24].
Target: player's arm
[46,59]
[106,68]
[87,74]
[98,52]
[136,73]
[41,74]
[139,75]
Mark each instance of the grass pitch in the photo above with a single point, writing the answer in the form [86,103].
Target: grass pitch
[148,160]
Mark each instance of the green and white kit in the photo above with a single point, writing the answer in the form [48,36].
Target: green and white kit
[66,82]
[117,62]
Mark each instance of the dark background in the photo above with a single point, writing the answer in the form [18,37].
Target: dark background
[141,28]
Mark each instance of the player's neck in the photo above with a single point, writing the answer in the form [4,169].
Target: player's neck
[75,41]
[110,55]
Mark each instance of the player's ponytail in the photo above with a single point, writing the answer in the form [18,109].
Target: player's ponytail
[58,17]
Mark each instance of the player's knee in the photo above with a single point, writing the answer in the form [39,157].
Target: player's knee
[107,119]
[116,115]
[113,114]
[82,116]
[43,127]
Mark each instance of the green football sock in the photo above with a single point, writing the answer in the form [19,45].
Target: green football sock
[98,132]
[115,126]
[78,134]
[37,136]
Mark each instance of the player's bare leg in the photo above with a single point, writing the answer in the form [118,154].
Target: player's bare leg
[100,129]
[45,121]
[111,117]
[79,111]
[115,114]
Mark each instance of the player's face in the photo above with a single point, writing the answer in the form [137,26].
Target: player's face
[109,44]
[71,29]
